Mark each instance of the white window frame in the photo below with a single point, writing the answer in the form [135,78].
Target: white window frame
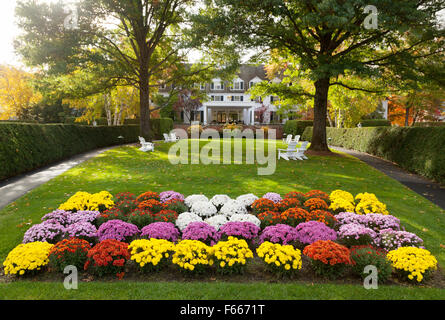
[217,98]
[217,85]
[240,98]
[238,82]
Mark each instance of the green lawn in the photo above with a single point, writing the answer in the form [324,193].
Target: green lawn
[124,290]
[128,169]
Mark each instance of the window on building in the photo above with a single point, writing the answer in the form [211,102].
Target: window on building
[273,99]
[217,98]
[237,98]
[203,86]
[217,85]
[238,85]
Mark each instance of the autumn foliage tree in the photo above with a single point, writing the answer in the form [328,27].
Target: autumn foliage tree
[16,92]
[329,38]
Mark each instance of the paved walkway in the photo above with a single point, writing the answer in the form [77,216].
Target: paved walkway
[426,188]
[13,188]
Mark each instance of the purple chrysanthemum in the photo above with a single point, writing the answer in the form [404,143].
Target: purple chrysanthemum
[280,233]
[117,229]
[161,230]
[82,229]
[170,195]
[246,230]
[356,234]
[82,216]
[201,231]
[275,197]
[60,216]
[47,231]
[311,231]
[373,221]
[390,239]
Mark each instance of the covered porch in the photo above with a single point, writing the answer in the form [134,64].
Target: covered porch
[221,115]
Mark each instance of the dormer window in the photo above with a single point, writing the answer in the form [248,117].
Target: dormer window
[238,84]
[254,81]
[217,85]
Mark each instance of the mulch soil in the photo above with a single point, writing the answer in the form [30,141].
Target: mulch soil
[255,272]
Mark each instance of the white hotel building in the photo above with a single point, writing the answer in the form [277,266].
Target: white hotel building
[230,102]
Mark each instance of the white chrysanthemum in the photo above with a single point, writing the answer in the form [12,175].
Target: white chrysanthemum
[185,218]
[217,221]
[219,199]
[247,199]
[233,207]
[203,208]
[190,200]
[245,218]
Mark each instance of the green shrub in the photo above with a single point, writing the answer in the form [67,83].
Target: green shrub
[363,256]
[415,149]
[297,127]
[376,123]
[161,126]
[132,121]
[24,147]
[430,124]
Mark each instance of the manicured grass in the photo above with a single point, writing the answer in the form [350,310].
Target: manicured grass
[128,169]
[127,290]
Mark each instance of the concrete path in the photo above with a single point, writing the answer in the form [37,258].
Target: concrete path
[431,190]
[13,188]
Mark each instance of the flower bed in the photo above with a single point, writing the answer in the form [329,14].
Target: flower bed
[104,235]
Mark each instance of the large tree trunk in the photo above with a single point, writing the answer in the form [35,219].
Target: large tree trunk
[319,141]
[407,117]
[144,94]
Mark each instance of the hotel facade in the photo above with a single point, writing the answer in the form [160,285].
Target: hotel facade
[229,102]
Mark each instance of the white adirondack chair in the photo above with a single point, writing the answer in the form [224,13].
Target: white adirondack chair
[287,139]
[146,146]
[292,152]
[173,137]
[296,139]
[288,153]
[300,151]
[167,138]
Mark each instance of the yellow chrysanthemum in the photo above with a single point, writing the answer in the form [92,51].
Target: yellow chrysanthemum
[412,260]
[279,258]
[27,257]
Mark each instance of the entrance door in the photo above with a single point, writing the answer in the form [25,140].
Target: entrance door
[233,116]
[221,117]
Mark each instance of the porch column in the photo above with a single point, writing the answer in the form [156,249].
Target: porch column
[205,114]
[252,116]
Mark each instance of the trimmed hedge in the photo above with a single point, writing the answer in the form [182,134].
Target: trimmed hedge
[296,127]
[416,149]
[161,126]
[430,124]
[24,147]
[376,123]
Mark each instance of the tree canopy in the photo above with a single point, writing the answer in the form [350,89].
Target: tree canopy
[329,38]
